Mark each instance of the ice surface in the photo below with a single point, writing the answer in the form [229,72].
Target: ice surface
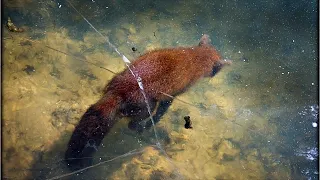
[248,121]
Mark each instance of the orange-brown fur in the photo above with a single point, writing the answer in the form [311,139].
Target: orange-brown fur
[168,71]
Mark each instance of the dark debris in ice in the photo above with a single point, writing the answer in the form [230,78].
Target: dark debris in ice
[29,69]
[86,74]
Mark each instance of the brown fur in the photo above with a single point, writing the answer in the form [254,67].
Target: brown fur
[168,71]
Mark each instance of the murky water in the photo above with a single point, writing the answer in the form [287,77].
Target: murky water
[256,119]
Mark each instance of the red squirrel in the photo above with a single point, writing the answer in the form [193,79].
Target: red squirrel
[165,71]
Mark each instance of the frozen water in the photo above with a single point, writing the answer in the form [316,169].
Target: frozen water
[249,122]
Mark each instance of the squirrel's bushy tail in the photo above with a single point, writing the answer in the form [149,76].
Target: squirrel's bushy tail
[93,126]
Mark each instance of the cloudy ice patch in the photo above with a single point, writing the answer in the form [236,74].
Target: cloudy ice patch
[311,112]
[309,153]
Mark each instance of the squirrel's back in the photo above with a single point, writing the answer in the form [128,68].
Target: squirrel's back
[166,70]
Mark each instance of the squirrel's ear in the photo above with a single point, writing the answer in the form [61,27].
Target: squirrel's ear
[205,40]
